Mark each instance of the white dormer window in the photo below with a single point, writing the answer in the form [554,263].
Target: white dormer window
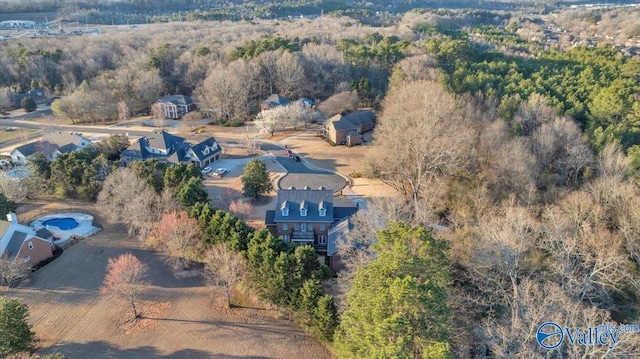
[303,212]
[323,212]
[285,212]
[206,150]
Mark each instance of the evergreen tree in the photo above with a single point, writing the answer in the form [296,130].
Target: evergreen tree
[397,306]
[255,181]
[28,104]
[15,333]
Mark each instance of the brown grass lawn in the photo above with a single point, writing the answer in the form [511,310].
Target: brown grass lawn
[182,317]
[15,134]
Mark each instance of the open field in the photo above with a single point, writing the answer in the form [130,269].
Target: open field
[16,133]
[182,316]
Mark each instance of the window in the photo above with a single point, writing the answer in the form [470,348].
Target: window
[30,245]
[285,238]
[26,259]
[285,212]
[322,239]
[323,212]
[303,212]
[322,227]
[285,226]
[296,226]
[310,226]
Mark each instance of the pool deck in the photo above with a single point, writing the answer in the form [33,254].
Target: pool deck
[85,226]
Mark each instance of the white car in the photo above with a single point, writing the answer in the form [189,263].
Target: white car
[206,170]
[219,172]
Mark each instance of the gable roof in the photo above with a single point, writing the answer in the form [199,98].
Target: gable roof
[178,100]
[35,147]
[339,123]
[275,100]
[338,229]
[44,233]
[295,199]
[61,138]
[15,243]
[210,145]
[361,118]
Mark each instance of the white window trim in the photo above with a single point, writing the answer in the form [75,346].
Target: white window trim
[285,226]
[303,212]
[26,259]
[322,227]
[285,212]
[322,239]
[323,212]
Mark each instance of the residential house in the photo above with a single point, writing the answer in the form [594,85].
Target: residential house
[176,106]
[172,149]
[51,145]
[272,101]
[306,216]
[23,243]
[40,96]
[348,129]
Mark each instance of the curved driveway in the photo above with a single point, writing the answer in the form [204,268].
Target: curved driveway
[300,175]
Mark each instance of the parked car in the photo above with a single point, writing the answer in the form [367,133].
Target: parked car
[296,158]
[289,153]
[206,170]
[220,171]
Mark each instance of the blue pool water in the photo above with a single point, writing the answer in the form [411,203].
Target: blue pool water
[62,223]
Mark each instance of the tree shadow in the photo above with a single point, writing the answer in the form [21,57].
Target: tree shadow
[102,349]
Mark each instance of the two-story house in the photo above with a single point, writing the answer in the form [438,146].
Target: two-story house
[172,149]
[305,216]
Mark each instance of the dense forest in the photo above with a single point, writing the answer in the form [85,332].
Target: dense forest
[528,155]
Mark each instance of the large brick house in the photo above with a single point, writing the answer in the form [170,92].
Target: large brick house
[348,129]
[23,243]
[306,216]
[172,149]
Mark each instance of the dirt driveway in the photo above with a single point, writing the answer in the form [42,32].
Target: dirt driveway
[182,316]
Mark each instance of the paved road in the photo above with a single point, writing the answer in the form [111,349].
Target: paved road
[300,175]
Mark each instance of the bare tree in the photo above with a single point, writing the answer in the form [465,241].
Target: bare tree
[125,279]
[10,269]
[421,137]
[118,190]
[290,78]
[340,102]
[5,98]
[176,237]
[225,267]
[241,209]
[16,190]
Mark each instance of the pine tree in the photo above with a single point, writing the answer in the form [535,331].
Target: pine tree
[255,181]
[15,333]
[397,306]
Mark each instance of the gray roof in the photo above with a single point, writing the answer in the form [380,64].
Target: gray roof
[15,243]
[338,229]
[269,217]
[361,118]
[340,213]
[199,149]
[294,199]
[339,122]
[164,140]
[178,100]
[44,147]
[62,138]
[44,233]
[276,100]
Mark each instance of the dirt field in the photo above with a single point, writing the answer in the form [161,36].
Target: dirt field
[182,315]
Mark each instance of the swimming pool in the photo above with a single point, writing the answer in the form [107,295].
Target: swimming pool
[67,225]
[62,223]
